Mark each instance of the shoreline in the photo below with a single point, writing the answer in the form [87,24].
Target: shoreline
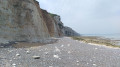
[100,45]
[97,40]
[103,46]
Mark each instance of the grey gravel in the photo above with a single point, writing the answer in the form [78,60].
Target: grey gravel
[65,53]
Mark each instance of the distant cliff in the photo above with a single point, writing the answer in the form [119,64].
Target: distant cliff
[24,20]
[55,27]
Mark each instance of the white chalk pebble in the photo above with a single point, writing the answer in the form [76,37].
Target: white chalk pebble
[56,49]
[10,60]
[94,65]
[17,54]
[77,61]
[28,52]
[69,52]
[55,56]
[96,48]
[46,53]
[14,64]
[62,45]
[68,45]
[90,60]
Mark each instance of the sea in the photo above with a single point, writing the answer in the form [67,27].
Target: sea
[111,36]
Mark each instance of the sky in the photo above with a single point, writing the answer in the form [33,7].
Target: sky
[87,16]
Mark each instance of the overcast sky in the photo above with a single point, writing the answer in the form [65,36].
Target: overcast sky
[87,16]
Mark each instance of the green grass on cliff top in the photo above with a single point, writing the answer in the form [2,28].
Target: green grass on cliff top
[52,14]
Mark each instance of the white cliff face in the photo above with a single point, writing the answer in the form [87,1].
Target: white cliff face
[57,19]
[55,31]
[20,20]
[53,23]
[59,25]
[24,20]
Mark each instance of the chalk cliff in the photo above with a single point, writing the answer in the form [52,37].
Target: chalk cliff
[24,20]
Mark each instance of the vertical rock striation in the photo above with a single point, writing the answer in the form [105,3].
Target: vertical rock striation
[21,20]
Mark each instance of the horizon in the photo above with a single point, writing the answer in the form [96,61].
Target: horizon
[86,17]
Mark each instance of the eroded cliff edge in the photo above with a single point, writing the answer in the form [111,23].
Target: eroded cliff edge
[24,20]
